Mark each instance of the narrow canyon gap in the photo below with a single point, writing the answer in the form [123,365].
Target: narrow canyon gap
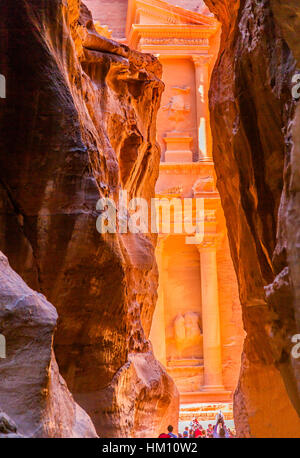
[255,128]
[197,331]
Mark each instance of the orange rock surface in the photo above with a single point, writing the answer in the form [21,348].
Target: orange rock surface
[78,124]
[255,126]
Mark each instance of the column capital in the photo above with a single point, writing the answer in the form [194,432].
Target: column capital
[207,245]
[161,238]
[202,59]
[210,242]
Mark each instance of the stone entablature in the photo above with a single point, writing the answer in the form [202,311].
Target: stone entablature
[196,38]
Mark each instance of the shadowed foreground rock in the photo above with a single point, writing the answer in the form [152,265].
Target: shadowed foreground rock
[8,428]
[78,124]
[33,395]
[255,125]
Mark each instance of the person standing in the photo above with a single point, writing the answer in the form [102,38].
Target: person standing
[186,432]
[169,434]
[170,431]
[220,430]
[210,431]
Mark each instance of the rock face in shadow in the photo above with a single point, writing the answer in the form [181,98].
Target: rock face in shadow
[255,125]
[8,428]
[78,124]
[33,395]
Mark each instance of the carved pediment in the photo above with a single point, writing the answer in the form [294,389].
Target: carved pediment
[161,12]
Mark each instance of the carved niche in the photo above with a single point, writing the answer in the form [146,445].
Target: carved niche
[177,107]
[188,336]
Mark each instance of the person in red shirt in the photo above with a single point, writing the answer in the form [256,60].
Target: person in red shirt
[198,433]
[169,435]
[164,436]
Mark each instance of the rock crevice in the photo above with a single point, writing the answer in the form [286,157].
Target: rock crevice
[255,125]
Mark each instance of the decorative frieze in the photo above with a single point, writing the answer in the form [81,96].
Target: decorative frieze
[154,35]
[172,41]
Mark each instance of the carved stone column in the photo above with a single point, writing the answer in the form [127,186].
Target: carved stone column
[210,318]
[158,329]
[201,63]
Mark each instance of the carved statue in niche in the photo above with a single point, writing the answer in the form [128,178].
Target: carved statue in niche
[188,336]
[179,328]
[204,185]
[192,325]
[177,108]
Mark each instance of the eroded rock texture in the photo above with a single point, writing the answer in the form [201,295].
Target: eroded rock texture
[256,124]
[33,395]
[8,428]
[78,124]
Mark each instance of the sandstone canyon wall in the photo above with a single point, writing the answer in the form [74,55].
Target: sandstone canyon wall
[78,124]
[111,13]
[193,5]
[255,126]
[32,392]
